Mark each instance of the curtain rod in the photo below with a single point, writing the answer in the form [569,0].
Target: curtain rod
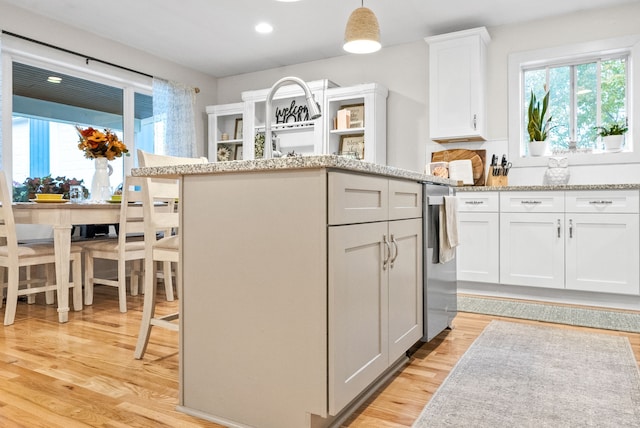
[86,57]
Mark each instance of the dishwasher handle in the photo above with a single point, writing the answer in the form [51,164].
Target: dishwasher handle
[435,200]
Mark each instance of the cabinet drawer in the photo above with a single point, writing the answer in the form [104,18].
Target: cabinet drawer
[607,201]
[357,198]
[530,202]
[405,199]
[478,201]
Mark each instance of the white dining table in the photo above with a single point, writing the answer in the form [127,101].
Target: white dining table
[63,216]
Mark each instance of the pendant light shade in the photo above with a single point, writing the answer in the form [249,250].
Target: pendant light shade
[362,34]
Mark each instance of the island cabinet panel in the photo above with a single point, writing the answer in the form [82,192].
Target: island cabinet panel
[358,296]
[254,307]
[375,281]
[287,320]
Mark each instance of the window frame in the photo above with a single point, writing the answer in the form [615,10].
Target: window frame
[574,53]
[17,50]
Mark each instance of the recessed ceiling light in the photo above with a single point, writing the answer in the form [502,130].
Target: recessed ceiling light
[54,79]
[264,28]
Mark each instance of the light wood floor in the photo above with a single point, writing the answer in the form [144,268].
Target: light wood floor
[83,373]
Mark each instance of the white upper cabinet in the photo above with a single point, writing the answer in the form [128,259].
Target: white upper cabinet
[457,80]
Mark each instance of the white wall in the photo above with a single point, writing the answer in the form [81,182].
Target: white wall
[403,70]
[26,24]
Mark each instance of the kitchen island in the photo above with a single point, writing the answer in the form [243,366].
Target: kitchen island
[301,286]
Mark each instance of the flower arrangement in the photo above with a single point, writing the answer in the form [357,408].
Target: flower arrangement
[98,144]
[22,192]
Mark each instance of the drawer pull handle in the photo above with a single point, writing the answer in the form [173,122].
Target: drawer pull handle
[387,252]
[558,228]
[531,202]
[395,255]
[474,202]
[570,228]
[600,202]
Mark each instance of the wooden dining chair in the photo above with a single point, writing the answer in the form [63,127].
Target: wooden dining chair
[14,256]
[146,159]
[129,247]
[166,249]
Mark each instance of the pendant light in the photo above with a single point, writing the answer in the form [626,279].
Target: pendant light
[362,34]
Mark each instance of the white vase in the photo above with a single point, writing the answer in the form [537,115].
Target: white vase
[100,185]
[537,148]
[613,143]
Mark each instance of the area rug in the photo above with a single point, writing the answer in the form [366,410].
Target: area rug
[517,375]
[584,317]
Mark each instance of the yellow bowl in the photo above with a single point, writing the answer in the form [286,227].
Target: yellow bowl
[116,197]
[48,196]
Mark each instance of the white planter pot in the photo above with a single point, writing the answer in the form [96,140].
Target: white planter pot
[613,143]
[537,148]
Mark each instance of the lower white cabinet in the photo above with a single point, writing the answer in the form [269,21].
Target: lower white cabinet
[573,240]
[532,249]
[479,233]
[375,299]
[602,253]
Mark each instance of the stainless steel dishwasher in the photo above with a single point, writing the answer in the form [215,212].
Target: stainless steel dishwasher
[440,288]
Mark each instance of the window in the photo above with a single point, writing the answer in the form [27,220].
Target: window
[40,136]
[582,96]
[590,85]
[47,105]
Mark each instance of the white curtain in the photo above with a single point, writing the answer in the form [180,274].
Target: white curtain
[1,165]
[174,116]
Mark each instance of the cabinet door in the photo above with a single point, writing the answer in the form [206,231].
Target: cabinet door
[405,286]
[602,253]
[456,86]
[532,249]
[358,308]
[478,252]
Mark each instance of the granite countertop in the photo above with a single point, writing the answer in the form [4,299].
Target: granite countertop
[635,186]
[290,163]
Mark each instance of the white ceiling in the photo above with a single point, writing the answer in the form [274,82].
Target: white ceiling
[217,36]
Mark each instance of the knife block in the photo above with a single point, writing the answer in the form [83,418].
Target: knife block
[496,180]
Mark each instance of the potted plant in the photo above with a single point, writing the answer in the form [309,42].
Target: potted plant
[612,136]
[539,125]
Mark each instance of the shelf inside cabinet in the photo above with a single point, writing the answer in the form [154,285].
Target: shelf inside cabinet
[359,130]
[289,127]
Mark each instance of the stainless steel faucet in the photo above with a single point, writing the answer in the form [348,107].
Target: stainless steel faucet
[314,109]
